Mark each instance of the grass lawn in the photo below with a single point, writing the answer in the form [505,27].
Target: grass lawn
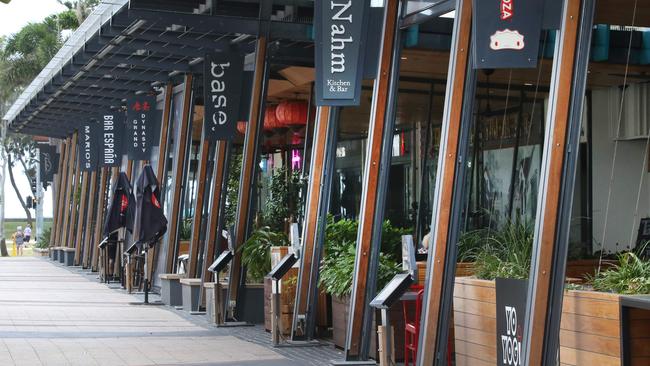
[11,224]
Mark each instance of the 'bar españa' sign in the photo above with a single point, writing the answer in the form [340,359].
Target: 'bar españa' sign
[340,38]
[223,73]
[112,138]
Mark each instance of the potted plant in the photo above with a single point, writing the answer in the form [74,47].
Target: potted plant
[336,275]
[41,248]
[591,315]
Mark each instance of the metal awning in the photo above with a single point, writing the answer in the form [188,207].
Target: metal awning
[126,48]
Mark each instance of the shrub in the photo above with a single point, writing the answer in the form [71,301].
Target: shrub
[631,276]
[506,253]
[256,252]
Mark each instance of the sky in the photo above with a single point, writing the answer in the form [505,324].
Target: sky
[14,16]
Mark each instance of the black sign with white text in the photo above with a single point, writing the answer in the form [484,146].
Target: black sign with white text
[340,40]
[89,140]
[511,314]
[141,126]
[48,162]
[223,73]
[506,33]
[112,124]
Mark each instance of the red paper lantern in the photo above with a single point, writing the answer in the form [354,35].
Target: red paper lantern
[292,113]
[241,127]
[270,119]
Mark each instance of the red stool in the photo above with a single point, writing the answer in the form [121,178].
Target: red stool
[412,325]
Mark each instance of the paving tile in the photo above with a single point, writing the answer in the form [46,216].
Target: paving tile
[52,315]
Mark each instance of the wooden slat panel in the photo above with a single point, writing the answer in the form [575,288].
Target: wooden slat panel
[69,191]
[590,325]
[610,346]
[591,307]
[476,307]
[573,356]
[488,339]
[479,293]
[474,321]
[463,360]
[485,353]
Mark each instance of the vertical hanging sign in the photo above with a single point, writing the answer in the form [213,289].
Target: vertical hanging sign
[340,38]
[112,129]
[506,33]
[48,162]
[222,75]
[141,126]
[89,145]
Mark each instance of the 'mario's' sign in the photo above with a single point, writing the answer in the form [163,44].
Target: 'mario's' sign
[222,74]
[339,60]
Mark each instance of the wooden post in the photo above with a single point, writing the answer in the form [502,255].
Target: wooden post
[90,219]
[317,199]
[161,167]
[202,184]
[58,198]
[68,191]
[248,171]
[548,265]
[215,219]
[454,134]
[180,154]
[99,216]
[78,236]
[375,178]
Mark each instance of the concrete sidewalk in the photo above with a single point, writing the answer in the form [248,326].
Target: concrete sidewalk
[50,315]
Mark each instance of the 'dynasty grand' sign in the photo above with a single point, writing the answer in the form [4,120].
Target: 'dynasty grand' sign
[141,126]
[223,73]
[340,37]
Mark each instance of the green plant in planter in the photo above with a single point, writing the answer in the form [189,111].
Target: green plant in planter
[282,203]
[337,268]
[256,252]
[336,273]
[44,241]
[470,244]
[631,276]
[506,253]
[185,230]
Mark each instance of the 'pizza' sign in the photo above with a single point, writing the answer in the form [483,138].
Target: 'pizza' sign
[506,33]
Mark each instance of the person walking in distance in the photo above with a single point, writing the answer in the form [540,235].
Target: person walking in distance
[19,239]
[28,234]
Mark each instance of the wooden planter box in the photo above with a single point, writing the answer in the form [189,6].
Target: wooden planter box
[586,267]
[590,331]
[463,269]
[38,252]
[287,300]
[340,309]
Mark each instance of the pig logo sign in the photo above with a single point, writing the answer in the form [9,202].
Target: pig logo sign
[507,40]
[506,33]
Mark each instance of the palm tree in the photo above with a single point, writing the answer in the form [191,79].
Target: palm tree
[82,8]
